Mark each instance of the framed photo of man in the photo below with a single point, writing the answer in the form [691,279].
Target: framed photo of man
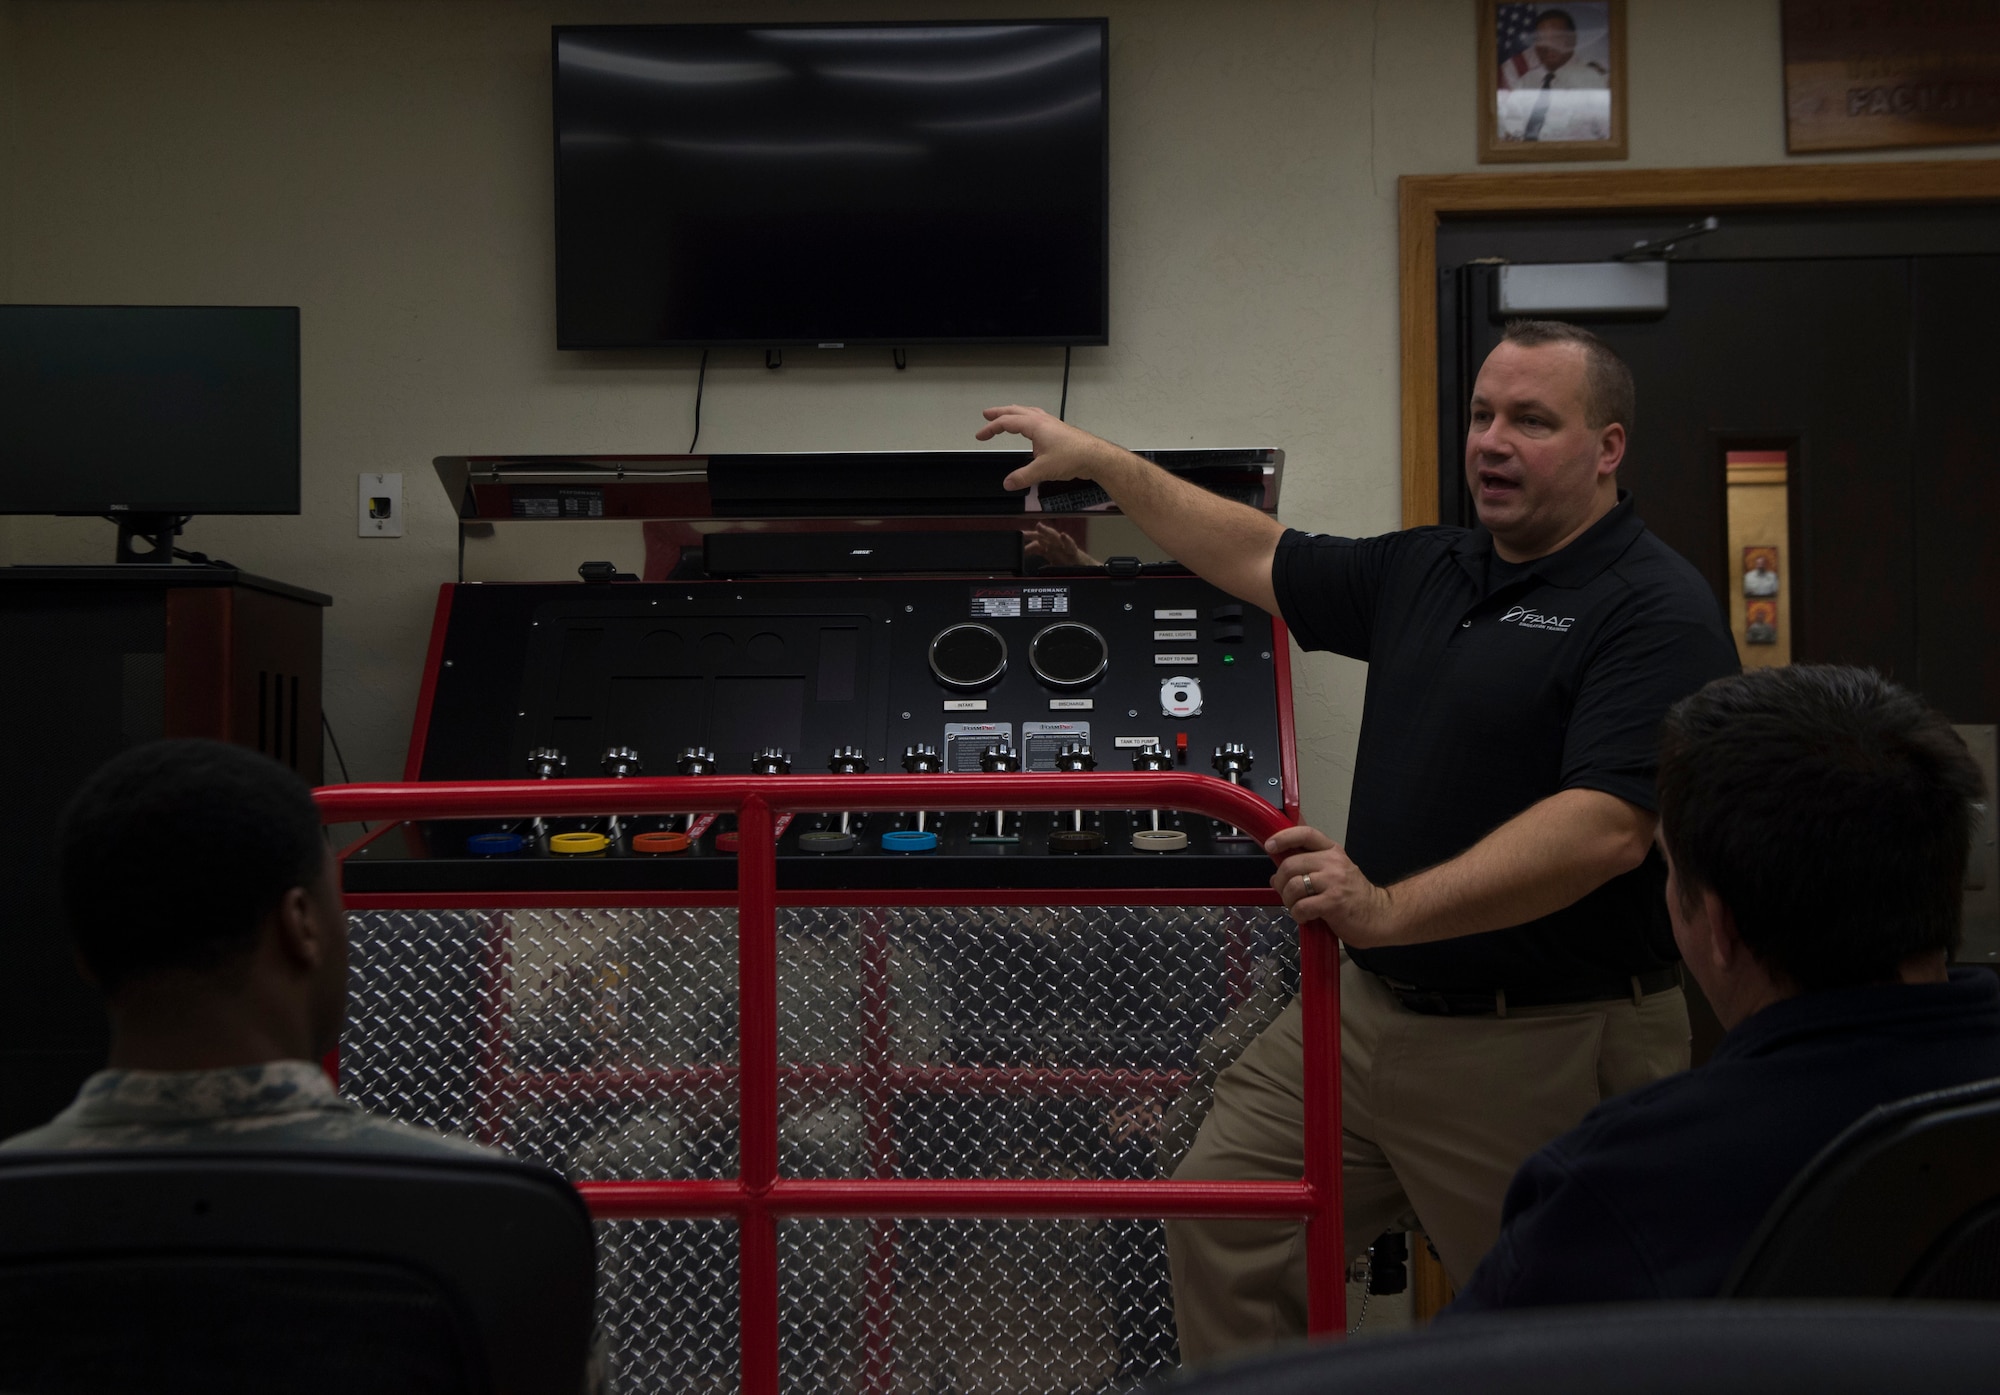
[1552,81]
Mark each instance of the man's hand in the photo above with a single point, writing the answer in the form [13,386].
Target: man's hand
[1548,856]
[1225,543]
[1062,452]
[1316,881]
[1056,548]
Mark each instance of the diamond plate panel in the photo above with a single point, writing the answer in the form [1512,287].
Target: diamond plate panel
[601,1043]
[668,1307]
[943,1307]
[913,1042]
[1012,1041]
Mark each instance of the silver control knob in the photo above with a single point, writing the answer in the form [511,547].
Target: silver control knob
[621,762]
[1000,759]
[1233,761]
[1075,757]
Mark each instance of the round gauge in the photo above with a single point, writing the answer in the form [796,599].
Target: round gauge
[1068,655]
[968,656]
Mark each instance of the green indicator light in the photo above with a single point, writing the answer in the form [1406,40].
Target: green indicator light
[1229,658]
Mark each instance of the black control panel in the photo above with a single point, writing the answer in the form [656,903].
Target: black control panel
[848,676]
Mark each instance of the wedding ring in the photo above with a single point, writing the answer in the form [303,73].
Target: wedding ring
[1306,881]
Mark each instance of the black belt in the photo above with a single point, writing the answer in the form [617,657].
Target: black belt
[1495,1002]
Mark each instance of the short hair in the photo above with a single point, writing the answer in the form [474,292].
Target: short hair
[173,853]
[1829,809]
[1552,13]
[1608,393]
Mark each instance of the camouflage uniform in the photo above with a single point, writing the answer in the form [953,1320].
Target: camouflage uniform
[279,1104]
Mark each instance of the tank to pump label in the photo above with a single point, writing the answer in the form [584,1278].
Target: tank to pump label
[1180,697]
[1134,743]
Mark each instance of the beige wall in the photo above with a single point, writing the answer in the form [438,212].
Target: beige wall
[384,165]
[8,88]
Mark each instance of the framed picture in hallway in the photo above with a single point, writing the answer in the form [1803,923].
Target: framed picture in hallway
[1552,81]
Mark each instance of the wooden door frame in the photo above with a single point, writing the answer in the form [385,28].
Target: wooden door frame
[1430,199]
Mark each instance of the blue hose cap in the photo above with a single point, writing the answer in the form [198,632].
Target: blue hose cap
[494,844]
[909,840]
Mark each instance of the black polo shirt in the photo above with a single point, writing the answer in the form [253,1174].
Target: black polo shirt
[1491,687]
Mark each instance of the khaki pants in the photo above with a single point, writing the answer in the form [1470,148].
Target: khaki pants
[1437,1113]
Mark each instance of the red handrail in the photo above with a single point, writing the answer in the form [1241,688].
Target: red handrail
[758,1197]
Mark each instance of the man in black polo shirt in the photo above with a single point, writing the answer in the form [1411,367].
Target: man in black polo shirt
[1509,961]
[1816,821]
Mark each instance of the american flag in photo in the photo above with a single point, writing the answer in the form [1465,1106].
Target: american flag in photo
[1515,35]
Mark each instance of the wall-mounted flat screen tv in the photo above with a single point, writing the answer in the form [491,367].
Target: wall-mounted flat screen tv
[786,184]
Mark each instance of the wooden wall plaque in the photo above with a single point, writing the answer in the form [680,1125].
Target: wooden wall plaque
[1869,74]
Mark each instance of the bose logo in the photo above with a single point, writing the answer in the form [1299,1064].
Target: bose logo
[861,552]
[1533,620]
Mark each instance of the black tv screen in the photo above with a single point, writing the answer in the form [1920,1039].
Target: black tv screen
[149,409]
[784,184]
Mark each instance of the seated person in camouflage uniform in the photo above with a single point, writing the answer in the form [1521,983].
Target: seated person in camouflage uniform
[202,898]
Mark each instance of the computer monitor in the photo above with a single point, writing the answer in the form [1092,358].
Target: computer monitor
[149,414]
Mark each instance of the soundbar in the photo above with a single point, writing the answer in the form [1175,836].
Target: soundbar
[846,554]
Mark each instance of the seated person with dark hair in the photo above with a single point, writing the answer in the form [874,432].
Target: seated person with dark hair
[1816,823]
[203,900]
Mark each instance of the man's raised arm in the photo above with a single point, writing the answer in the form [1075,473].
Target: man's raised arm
[1227,544]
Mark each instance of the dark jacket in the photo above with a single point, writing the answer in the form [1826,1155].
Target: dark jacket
[1656,1192]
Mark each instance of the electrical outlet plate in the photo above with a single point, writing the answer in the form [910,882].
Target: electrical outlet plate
[381,506]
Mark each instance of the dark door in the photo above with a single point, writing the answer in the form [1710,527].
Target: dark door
[1878,376]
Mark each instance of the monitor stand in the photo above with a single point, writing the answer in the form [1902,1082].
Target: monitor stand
[156,530]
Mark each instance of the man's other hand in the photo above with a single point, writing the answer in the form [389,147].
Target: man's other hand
[1062,452]
[1316,881]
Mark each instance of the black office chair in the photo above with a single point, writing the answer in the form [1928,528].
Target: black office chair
[1702,1348]
[1903,1204]
[219,1272]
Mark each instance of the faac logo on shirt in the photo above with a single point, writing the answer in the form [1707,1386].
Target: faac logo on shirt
[1534,620]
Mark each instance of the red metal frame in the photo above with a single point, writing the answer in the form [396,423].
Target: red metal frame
[758,1197]
[1288,746]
